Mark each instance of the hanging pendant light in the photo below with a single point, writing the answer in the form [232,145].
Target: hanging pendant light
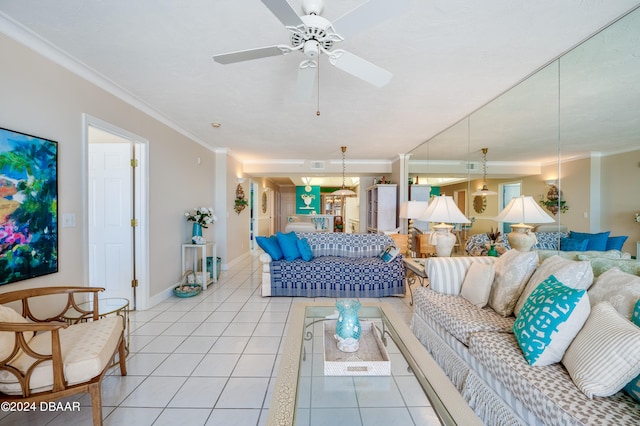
[343,191]
[485,189]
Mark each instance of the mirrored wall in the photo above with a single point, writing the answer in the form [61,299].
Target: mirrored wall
[575,122]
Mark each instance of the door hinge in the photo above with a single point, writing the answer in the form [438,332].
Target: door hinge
[134,162]
[134,223]
[134,283]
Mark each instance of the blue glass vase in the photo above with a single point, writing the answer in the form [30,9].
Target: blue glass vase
[196,231]
[348,325]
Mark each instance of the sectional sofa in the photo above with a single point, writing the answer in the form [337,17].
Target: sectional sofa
[483,320]
[330,265]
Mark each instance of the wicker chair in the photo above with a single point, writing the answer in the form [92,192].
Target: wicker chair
[43,360]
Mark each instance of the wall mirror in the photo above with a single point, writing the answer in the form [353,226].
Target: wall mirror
[553,125]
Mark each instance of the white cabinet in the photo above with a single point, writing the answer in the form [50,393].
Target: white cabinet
[382,201]
[194,257]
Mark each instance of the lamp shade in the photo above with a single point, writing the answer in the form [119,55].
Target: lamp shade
[413,209]
[484,191]
[444,209]
[523,210]
[344,191]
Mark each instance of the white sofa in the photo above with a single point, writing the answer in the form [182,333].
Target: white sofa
[477,349]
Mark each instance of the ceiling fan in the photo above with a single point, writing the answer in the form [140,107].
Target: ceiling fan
[314,35]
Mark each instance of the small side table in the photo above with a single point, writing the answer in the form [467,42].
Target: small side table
[415,270]
[106,306]
[200,261]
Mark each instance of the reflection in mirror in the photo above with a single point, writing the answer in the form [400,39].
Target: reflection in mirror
[575,121]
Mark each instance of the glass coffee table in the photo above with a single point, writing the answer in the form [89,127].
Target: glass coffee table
[417,392]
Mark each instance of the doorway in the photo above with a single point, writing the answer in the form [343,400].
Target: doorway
[116,213]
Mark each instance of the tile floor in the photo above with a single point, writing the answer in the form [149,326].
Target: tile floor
[206,360]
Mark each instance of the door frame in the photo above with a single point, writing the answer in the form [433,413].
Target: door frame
[141,177]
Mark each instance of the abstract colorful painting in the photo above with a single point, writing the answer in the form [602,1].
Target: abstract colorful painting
[28,206]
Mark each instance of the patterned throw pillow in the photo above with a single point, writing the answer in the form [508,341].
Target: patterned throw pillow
[569,272]
[602,264]
[389,253]
[633,387]
[618,288]
[605,355]
[549,320]
[513,270]
[476,286]
[270,246]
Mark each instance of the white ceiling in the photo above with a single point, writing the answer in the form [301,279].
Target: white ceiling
[448,58]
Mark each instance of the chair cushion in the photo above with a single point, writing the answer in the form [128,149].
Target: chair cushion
[8,338]
[86,349]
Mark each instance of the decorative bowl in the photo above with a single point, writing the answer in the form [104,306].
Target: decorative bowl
[187,290]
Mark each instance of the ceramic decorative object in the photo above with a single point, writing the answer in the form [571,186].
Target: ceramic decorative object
[196,233]
[348,325]
[492,251]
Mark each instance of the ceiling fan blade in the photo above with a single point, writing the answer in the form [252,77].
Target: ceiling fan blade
[306,80]
[358,67]
[284,12]
[247,55]
[368,15]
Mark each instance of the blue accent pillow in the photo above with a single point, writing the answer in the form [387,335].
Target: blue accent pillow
[597,241]
[572,244]
[616,243]
[270,246]
[305,249]
[289,245]
[549,320]
[633,387]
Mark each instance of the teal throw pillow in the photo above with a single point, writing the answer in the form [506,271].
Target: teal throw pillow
[549,320]
[289,245]
[616,243]
[305,249]
[270,246]
[572,244]
[633,387]
[597,241]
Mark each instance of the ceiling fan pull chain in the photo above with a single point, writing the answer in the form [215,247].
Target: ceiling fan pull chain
[318,109]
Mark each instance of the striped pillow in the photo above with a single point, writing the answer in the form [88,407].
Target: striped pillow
[633,387]
[605,355]
[446,274]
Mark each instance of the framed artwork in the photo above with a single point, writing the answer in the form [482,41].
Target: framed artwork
[28,206]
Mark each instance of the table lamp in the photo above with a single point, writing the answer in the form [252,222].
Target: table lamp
[412,210]
[444,210]
[520,210]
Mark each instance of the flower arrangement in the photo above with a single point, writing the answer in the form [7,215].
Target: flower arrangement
[493,235]
[203,216]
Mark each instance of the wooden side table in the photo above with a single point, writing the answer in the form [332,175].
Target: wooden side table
[415,271]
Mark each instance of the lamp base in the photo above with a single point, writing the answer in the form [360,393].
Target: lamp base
[521,238]
[444,240]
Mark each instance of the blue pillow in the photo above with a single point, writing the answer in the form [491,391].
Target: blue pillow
[597,241]
[289,245]
[633,387]
[572,244]
[305,249]
[549,320]
[616,243]
[270,246]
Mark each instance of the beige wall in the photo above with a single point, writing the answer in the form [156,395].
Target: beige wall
[44,99]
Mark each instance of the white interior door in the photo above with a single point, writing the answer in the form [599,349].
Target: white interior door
[110,207]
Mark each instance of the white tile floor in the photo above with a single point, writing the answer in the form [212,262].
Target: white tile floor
[206,360]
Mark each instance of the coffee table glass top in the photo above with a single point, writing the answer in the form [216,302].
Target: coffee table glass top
[304,395]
